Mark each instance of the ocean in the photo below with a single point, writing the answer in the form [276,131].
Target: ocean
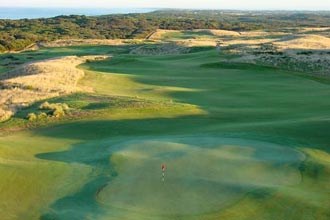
[21,13]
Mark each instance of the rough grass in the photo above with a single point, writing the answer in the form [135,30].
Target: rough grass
[310,41]
[40,80]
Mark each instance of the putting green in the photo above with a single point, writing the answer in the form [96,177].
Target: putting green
[204,174]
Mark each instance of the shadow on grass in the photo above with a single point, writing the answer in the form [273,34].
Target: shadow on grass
[78,205]
[82,203]
[94,151]
[95,154]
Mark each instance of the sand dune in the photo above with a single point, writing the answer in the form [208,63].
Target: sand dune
[40,80]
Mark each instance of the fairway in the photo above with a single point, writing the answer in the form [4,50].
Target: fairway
[240,141]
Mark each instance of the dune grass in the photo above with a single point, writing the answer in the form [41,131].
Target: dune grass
[240,142]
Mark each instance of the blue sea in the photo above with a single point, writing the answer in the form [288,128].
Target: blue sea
[20,13]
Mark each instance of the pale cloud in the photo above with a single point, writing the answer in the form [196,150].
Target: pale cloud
[202,4]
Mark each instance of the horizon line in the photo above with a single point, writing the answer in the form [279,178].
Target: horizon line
[168,8]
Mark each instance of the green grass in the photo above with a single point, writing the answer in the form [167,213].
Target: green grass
[187,35]
[223,172]
[240,142]
[9,61]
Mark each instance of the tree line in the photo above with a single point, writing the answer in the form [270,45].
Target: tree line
[19,34]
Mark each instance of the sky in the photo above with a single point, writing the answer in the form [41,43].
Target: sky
[196,4]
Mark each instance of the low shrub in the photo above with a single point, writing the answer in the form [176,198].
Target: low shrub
[42,115]
[44,106]
[58,112]
[32,117]
[54,106]
[56,109]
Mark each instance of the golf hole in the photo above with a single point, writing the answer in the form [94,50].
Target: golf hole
[202,174]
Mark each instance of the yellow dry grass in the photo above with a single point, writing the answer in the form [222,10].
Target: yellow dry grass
[222,33]
[159,34]
[40,80]
[261,33]
[315,42]
[249,41]
[197,42]
[307,29]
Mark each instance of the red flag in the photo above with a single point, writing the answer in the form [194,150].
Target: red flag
[163,167]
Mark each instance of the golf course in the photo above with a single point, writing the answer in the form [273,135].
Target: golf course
[240,141]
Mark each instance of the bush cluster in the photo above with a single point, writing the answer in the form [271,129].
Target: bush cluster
[56,110]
